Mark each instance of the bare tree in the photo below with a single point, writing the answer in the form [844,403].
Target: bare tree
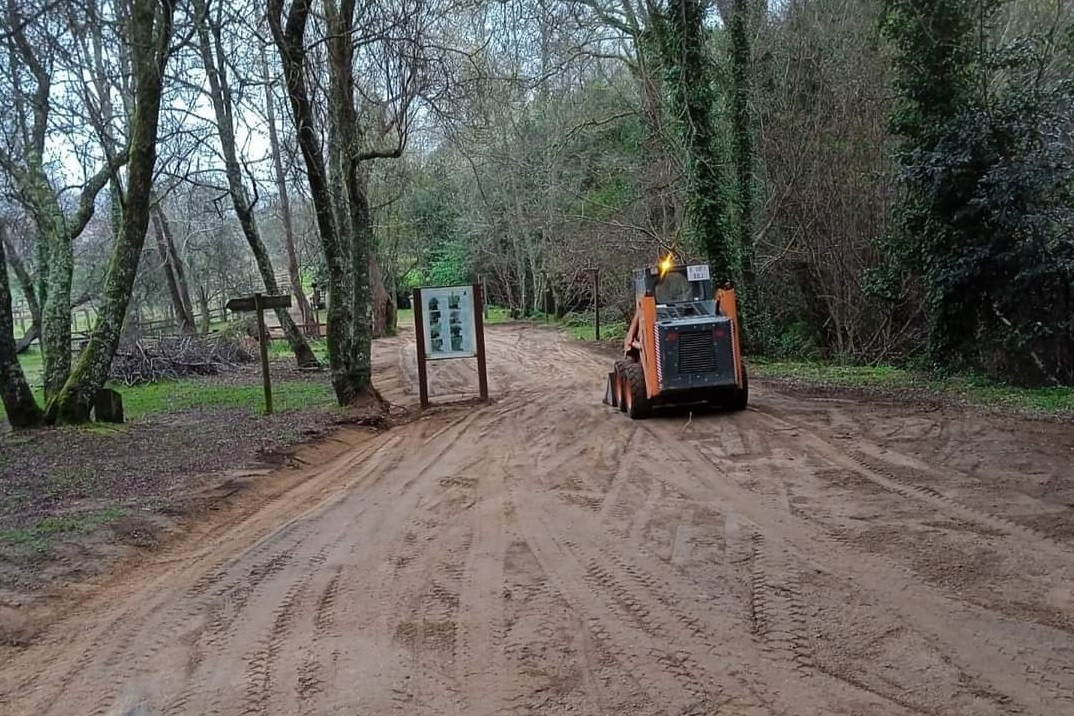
[215,61]
[174,272]
[28,289]
[367,120]
[284,195]
[150,32]
[32,43]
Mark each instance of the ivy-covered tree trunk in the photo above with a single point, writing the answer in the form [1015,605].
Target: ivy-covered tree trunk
[935,56]
[22,409]
[692,105]
[742,133]
[150,32]
[214,60]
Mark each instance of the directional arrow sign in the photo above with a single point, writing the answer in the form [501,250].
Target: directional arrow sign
[249,303]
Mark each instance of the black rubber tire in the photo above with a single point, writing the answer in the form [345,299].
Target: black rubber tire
[620,384]
[637,398]
[739,398]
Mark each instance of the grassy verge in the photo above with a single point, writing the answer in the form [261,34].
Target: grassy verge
[167,396]
[32,364]
[38,536]
[171,396]
[973,389]
[581,326]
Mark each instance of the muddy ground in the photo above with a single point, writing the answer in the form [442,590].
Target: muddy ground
[72,500]
[544,554]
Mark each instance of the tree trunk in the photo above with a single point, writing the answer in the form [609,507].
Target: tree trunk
[29,291]
[742,133]
[150,31]
[286,219]
[357,241]
[181,309]
[205,310]
[56,312]
[681,36]
[348,332]
[22,409]
[177,265]
[381,302]
[223,106]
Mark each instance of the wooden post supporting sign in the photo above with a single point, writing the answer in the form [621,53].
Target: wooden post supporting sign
[596,303]
[260,303]
[419,333]
[479,326]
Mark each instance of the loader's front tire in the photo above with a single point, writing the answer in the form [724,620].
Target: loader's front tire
[638,405]
[740,397]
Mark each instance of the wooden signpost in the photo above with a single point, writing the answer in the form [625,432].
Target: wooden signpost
[449,323]
[260,303]
[596,301]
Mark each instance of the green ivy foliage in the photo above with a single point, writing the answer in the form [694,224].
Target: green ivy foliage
[986,209]
[678,37]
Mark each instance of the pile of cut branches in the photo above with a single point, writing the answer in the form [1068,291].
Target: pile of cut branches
[170,357]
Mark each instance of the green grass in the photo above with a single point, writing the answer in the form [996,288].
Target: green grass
[168,396]
[496,315]
[974,389]
[281,349]
[38,535]
[581,327]
[851,376]
[171,396]
[33,364]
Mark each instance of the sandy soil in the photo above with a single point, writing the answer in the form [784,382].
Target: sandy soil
[544,554]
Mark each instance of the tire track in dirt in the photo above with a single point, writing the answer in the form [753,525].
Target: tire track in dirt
[120,667]
[260,664]
[482,619]
[776,609]
[309,679]
[882,475]
[965,638]
[226,607]
[665,657]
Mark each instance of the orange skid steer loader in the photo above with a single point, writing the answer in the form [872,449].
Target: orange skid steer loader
[683,345]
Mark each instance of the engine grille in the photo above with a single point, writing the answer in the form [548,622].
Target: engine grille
[697,352]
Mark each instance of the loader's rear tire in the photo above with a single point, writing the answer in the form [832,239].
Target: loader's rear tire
[620,384]
[638,405]
[740,397]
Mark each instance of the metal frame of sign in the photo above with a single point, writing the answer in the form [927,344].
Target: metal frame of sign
[476,309]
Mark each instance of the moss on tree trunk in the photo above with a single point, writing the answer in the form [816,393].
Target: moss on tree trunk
[340,201]
[150,31]
[22,409]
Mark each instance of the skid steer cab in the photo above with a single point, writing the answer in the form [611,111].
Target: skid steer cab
[682,347]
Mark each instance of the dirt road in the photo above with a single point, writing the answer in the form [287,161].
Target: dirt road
[546,555]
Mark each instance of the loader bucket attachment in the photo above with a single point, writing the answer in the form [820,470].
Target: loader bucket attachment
[609,391]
